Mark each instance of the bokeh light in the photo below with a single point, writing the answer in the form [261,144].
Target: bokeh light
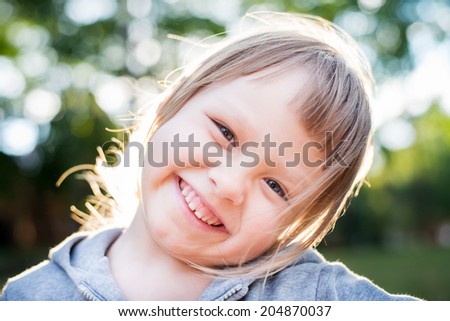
[33,64]
[113,95]
[371,6]
[139,8]
[397,134]
[41,106]
[12,81]
[26,37]
[148,52]
[19,136]
[86,12]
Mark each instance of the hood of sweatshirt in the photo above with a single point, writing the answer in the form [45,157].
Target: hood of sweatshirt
[83,258]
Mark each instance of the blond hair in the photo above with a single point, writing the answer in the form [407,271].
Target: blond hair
[339,104]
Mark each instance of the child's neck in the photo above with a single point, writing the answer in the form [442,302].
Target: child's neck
[144,271]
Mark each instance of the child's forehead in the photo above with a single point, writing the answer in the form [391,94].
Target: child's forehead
[292,87]
[294,81]
[268,92]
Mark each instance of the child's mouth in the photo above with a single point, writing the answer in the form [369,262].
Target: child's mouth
[200,210]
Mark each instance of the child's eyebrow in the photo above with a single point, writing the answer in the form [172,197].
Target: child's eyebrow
[234,113]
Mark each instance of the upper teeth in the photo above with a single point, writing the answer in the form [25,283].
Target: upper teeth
[196,205]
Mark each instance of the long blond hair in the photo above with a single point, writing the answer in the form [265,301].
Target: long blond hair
[339,104]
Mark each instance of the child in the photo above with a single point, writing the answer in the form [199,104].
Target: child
[251,157]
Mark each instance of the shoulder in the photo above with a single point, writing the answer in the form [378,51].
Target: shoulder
[297,282]
[314,278]
[70,263]
[44,282]
[337,282]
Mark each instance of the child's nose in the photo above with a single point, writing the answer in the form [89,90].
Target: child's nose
[229,182]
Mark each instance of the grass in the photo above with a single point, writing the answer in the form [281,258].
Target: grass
[423,272]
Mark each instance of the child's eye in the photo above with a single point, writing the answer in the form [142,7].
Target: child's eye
[276,188]
[227,133]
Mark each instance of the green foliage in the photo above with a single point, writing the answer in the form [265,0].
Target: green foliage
[421,272]
[407,202]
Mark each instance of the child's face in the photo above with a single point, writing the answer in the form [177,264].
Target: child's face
[230,212]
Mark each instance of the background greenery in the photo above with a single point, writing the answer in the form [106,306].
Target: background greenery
[69,68]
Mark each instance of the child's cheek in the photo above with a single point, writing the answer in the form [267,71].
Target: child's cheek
[187,149]
[173,145]
[157,150]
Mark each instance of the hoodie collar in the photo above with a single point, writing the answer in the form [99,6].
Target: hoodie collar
[83,257]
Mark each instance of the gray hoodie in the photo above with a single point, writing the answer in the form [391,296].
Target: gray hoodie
[78,269]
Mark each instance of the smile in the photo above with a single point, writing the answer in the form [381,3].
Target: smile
[200,210]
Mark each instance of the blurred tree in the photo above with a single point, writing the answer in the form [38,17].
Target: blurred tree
[408,199]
